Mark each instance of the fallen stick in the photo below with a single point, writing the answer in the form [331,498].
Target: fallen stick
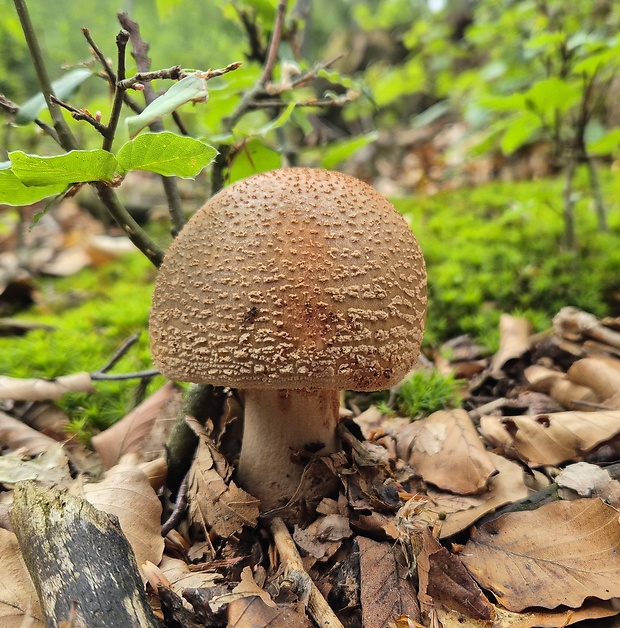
[318,607]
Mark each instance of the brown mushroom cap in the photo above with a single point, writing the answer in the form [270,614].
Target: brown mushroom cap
[294,278]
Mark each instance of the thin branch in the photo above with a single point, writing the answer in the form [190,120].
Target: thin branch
[82,114]
[180,506]
[127,222]
[11,107]
[174,73]
[113,377]
[327,101]
[66,138]
[143,63]
[274,43]
[121,43]
[120,352]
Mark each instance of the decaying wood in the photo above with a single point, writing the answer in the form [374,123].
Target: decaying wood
[318,607]
[78,559]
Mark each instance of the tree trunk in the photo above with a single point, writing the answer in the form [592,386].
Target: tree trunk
[79,560]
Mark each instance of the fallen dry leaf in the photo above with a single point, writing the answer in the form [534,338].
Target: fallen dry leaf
[457,512]
[18,597]
[51,468]
[559,554]
[19,437]
[549,439]
[126,492]
[247,588]
[588,480]
[447,452]
[601,376]
[558,387]
[386,593]
[38,389]
[126,435]
[224,508]
[323,537]
[514,342]
[180,577]
[252,612]
[444,581]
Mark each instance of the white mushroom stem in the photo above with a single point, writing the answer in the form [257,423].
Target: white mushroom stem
[276,423]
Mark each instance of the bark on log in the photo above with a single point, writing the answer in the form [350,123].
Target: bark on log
[78,558]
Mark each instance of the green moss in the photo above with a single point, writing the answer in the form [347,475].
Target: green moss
[498,248]
[92,314]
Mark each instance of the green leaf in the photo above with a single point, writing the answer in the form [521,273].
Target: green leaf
[14,192]
[519,132]
[551,94]
[254,158]
[77,166]
[606,145]
[272,125]
[165,153]
[339,151]
[63,88]
[192,88]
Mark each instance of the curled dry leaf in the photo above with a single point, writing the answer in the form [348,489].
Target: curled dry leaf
[514,342]
[127,493]
[558,387]
[323,537]
[18,597]
[180,577]
[446,450]
[223,507]
[126,435]
[457,512]
[589,480]
[568,549]
[18,436]
[599,375]
[38,389]
[549,439]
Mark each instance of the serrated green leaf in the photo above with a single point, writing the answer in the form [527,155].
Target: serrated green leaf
[192,88]
[339,151]
[14,192]
[254,158]
[165,153]
[77,166]
[63,88]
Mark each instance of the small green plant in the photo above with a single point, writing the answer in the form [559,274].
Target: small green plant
[423,393]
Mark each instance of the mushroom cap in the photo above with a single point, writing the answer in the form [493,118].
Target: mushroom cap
[294,278]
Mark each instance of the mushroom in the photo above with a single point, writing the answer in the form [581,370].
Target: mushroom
[292,285]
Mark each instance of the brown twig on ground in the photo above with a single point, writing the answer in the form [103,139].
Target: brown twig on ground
[180,506]
[319,609]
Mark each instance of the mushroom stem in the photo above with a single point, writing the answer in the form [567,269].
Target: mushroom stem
[276,423]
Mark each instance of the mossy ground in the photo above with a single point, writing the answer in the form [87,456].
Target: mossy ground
[493,249]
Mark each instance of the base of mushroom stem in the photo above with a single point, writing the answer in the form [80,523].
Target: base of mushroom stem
[278,424]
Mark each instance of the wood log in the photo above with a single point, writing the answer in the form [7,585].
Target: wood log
[80,562]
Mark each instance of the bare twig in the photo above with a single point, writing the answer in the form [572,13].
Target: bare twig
[274,43]
[143,62]
[109,72]
[66,138]
[180,506]
[294,570]
[174,73]
[82,114]
[327,101]
[121,43]
[11,107]
[120,352]
[117,377]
